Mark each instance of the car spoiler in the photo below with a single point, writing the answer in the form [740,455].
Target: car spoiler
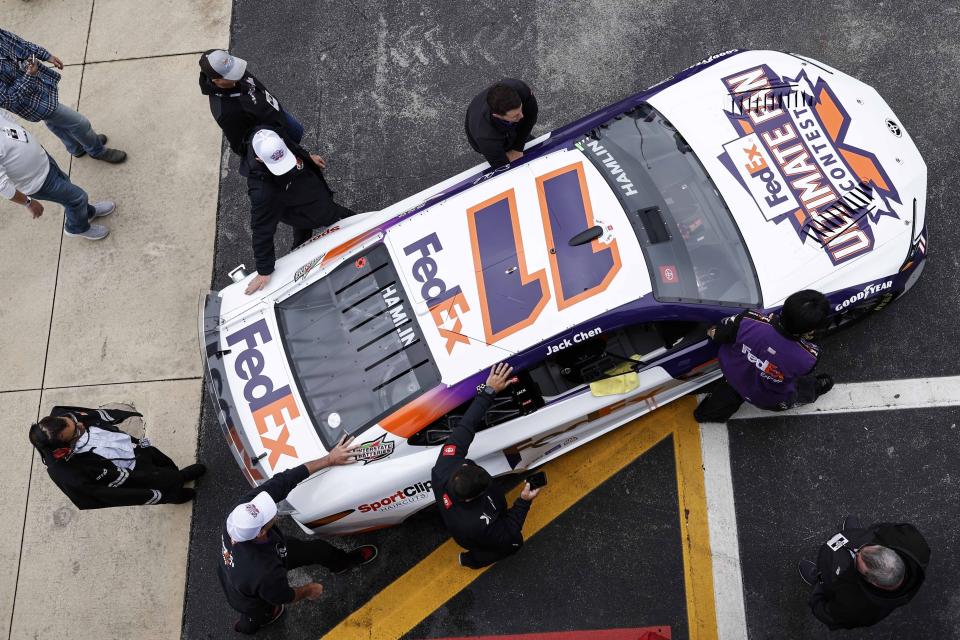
[218,387]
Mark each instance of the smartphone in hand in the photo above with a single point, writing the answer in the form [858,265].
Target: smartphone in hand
[537,480]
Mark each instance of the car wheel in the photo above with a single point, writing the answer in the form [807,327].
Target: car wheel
[857,312]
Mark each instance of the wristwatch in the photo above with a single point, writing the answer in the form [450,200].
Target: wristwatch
[29,200]
[486,389]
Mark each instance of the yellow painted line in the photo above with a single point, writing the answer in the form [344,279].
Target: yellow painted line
[403,604]
[694,529]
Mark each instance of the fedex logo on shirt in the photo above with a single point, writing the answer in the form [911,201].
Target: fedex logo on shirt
[768,370]
[273,408]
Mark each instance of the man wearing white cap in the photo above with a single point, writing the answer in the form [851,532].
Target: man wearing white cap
[240,102]
[285,184]
[257,556]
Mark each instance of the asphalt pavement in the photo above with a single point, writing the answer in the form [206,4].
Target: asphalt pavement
[381,89]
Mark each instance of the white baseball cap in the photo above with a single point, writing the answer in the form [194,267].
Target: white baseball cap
[271,148]
[217,63]
[246,520]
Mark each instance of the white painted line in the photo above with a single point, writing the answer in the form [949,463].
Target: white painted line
[912,393]
[724,542]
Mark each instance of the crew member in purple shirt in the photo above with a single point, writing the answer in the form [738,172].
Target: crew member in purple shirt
[768,360]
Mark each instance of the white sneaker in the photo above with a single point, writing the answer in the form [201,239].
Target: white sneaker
[95,232]
[103,209]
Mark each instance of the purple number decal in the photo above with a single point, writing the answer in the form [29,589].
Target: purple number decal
[578,272]
[510,297]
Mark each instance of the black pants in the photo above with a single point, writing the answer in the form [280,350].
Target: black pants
[339,212]
[300,553]
[479,558]
[724,400]
[155,470]
[722,403]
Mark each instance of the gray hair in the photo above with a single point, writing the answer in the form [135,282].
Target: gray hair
[885,568]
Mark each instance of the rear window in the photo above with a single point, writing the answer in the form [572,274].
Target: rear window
[354,346]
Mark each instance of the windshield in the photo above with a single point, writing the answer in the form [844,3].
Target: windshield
[354,347]
[693,249]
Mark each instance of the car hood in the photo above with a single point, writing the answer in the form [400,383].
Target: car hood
[783,137]
[491,272]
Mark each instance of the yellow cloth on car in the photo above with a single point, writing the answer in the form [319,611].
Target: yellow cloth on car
[619,384]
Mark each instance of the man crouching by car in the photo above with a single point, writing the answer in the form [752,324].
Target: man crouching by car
[474,511]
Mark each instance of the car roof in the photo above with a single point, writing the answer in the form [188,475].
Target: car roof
[490,271]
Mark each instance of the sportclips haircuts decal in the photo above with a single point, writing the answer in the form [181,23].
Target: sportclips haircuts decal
[792,159]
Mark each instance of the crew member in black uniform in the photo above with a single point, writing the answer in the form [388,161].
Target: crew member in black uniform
[499,121]
[473,510]
[257,556]
[97,465]
[239,102]
[863,574]
[285,184]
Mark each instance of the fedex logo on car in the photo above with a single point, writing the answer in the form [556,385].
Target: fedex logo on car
[792,158]
[273,408]
[446,304]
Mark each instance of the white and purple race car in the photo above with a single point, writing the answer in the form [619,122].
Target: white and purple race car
[611,246]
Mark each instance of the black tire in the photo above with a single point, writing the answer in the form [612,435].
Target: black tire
[857,312]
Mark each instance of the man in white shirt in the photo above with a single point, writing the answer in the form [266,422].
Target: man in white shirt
[29,174]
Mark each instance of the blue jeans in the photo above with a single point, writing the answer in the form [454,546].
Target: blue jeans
[74,131]
[76,205]
[294,128]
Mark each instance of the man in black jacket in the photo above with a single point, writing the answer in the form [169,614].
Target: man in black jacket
[257,556]
[499,121]
[239,102]
[474,511]
[862,574]
[97,465]
[285,184]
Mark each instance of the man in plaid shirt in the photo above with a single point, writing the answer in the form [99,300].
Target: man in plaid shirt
[29,89]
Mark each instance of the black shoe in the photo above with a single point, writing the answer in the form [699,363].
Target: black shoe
[193,471]
[82,152]
[113,156]
[824,383]
[808,572]
[849,522]
[360,556]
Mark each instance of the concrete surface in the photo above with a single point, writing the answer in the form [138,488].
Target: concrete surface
[796,477]
[122,311]
[612,561]
[19,409]
[120,31]
[108,573]
[136,291]
[59,26]
[25,309]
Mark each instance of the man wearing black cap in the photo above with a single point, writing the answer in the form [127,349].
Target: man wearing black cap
[256,556]
[240,102]
[499,121]
[862,574]
[474,511]
[285,184]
